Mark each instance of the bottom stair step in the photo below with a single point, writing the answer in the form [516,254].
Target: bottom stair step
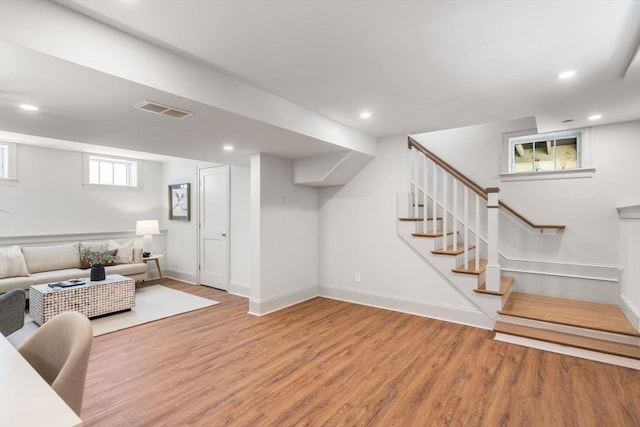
[582,314]
[602,346]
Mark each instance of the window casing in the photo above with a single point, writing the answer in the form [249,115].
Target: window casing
[545,152]
[111,171]
[8,174]
[4,160]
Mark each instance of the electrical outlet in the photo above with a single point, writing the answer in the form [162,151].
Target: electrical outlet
[357,278]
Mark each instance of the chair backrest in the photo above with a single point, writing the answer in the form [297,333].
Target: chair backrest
[59,351]
[12,305]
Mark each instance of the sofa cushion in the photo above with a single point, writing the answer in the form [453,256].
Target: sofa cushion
[127,269]
[15,283]
[58,275]
[12,263]
[54,257]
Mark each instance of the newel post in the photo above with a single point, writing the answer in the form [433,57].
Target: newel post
[493,265]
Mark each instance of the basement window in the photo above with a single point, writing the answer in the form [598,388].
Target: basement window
[545,152]
[4,160]
[7,163]
[546,156]
[110,171]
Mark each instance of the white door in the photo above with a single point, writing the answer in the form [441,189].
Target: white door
[214,227]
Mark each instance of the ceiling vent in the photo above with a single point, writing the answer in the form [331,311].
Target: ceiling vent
[165,110]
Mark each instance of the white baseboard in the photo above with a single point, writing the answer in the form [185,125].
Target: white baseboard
[462,315]
[269,305]
[631,311]
[240,289]
[570,351]
[183,276]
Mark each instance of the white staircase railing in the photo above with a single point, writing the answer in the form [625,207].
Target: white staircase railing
[434,188]
[436,197]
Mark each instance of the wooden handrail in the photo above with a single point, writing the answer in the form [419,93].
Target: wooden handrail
[477,188]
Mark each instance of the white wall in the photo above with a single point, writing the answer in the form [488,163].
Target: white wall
[240,231]
[112,51]
[587,206]
[285,227]
[357,228]
[182,236]
[49,197]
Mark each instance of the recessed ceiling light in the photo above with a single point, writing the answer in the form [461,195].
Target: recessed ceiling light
[227,147]
[365,115]
[28,107]
[567,74]
[595,117]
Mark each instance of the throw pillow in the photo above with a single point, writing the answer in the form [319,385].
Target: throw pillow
[124,252]
[12,263]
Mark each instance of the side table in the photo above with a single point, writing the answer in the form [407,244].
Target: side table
[154,257]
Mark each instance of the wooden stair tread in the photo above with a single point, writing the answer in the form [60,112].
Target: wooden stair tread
[505,284]
[471,267]
[451,250]
[417,219]
[587,343]
[438,233]
[601,317]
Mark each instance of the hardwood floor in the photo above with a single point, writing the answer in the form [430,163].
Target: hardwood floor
[326,362]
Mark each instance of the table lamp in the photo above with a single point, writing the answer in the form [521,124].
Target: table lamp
[147,228]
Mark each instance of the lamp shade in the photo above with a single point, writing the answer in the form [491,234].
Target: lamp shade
[147,227]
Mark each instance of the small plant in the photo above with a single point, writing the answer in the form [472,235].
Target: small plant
[90,257]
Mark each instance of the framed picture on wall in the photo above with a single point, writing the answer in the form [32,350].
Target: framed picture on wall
[180,202]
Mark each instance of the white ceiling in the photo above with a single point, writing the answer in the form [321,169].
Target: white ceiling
[83,105]
[416,65]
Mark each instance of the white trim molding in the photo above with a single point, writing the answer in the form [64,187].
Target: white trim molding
[543,175]
[183,276]
[278,302]
[631,311]
[64,238]
[582,281]
[240,289]
[448,313]
[629,212]
[571,351]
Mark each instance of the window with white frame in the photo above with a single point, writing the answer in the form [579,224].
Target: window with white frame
[4,160]
[108,170]
[549,152]
[7,163]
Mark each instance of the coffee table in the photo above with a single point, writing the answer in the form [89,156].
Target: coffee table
[115,293]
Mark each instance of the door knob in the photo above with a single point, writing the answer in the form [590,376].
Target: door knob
[224,234]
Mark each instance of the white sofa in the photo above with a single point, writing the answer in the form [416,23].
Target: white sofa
[58,262]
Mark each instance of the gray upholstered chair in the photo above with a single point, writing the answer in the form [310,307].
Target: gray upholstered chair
[12,311]
[59,352]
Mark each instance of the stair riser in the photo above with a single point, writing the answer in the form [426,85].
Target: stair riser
[419,227]
[591,333]
[568,350]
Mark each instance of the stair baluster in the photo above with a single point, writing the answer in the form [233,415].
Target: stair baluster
[434,200]
[455,213]
[425,174]
[466,226]
[445,208]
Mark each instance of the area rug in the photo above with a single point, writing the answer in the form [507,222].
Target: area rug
[152,303]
